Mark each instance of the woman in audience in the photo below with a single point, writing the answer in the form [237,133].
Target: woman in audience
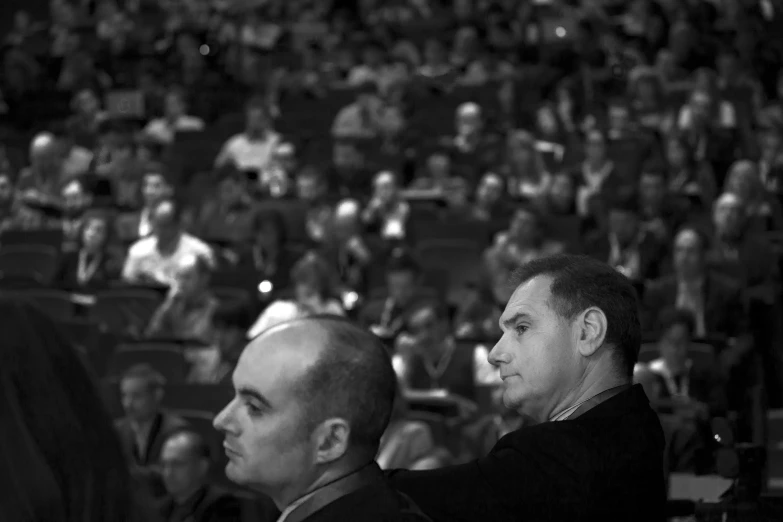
[265,257]
[525,169]
[763,209]
[92,266]
[61,459]
[313,294]
[688,176]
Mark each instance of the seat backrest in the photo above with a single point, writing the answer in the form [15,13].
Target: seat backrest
[125,311]
[35,262]
[57,304]
[47,237]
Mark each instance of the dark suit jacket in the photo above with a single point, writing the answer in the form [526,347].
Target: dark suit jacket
[363,496]
[164,425]
[67,277]
[606,464]
[725,314]
[209,504]
[651,253]
[278,272]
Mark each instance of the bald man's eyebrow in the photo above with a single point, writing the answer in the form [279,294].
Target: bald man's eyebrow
[250,393]
[511,321]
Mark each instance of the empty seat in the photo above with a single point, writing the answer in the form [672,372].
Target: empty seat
[168,360]
[34,263]
[125,311]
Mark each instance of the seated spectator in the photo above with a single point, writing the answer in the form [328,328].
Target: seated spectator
[311,188]
[596,176]
[660,215]
[276,179]
[313,294]
[386,316]
[265,254]
[346,247]
[185,464]
[525,171]
[648,100]
[14,214]
[92,265]
[522,242]
[75,161]
[408,443]
[684,388]
[687,175]
[75,202]
[386,213]
[188,312]
[489,203]
[87,119]
[427,357]
[436,67]
[560,198]
[626,246]
[123,171]
[366,118]
[156,259]
[145,426]
[762,208]
[40,181]
[154,189]
[253,149]
[771,161]
[472,143]
[436,174]
[715,301]
[227,217]
[175,118]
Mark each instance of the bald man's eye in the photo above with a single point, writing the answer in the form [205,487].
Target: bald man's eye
[253,410]
[520,329]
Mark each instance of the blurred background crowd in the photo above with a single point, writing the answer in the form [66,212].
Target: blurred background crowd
[176,176]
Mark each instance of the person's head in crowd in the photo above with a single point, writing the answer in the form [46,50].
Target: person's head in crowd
[96,233]
[771,143]
[677,328]
[269,231]
[465,42]
[546,122]
[313,398]
[706,80]
[728,64]
[562,193]
[690,254]
[652,187]
[595,147]
[521,147]
[176,103]
[310,185]
[141,393]
[148,149]
[428,326]
[367,95]
[285,157]
[346,220]
[728,216]
[43,151]
[439,165]
[192,276]
[348,156]
[744,181]
[679,153]
[700,105]
[624,220]
[435,53]
[75,198]
[86,103]
[571,325]
[490,190]
[469,119]
[402,278]
[232,187]
[60,453]
[372,55]
[166,220]
[313,281]
[525,226]
[257,120]
[647,90]
[385,188]
[184,464]
[154,186]
[457,193]
[619,115]
[406,52]
[665,64]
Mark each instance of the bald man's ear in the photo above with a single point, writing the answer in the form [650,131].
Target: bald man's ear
[592,324]
[332,439]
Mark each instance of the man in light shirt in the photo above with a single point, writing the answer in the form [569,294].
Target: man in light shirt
[155,259]
[313,398]
[254,149]
[175,119]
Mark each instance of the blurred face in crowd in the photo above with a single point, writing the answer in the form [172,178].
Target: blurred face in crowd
[521,149]
[285,158]
[385,188]
[561,192]
[623,225]
[268,441]
[546,121]
[652,189]
[175,105]
[595,148]
[524,226]
[87,103]
[744,181]
[674,344]
[154,188]
[770,143]
[309,188]
[257,120]
[700,104]
[182,469]
[427,330]
[164,221]
[729,216]
[346,219]
[94,234]
[676,155]
[468,119]
[140,399]
[537,355]
[347,156]
[490,190]
[439,166]
[619,117]
[456,193]
[401,286]
[74,198]
[688,254]
[6,189]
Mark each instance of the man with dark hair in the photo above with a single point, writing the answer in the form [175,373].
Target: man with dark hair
[185,463]
[313,398]
[591,447]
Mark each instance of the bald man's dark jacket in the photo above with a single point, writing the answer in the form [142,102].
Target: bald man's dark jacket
[208,504]
[606,464]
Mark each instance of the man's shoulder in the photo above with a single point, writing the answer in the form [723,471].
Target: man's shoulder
[195,245]
[142,247]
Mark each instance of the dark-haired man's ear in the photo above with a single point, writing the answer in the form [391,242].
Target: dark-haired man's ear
[592,324]
[331,437]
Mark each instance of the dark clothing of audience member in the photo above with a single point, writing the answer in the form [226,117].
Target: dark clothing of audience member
[208,504]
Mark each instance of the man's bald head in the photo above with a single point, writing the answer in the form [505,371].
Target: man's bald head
[189,443]
[342,371]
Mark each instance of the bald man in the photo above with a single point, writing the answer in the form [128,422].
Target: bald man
[313,398]
[185,463]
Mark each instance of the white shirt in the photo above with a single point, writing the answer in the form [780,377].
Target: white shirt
[255,155]
[144,259]
[162,130]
